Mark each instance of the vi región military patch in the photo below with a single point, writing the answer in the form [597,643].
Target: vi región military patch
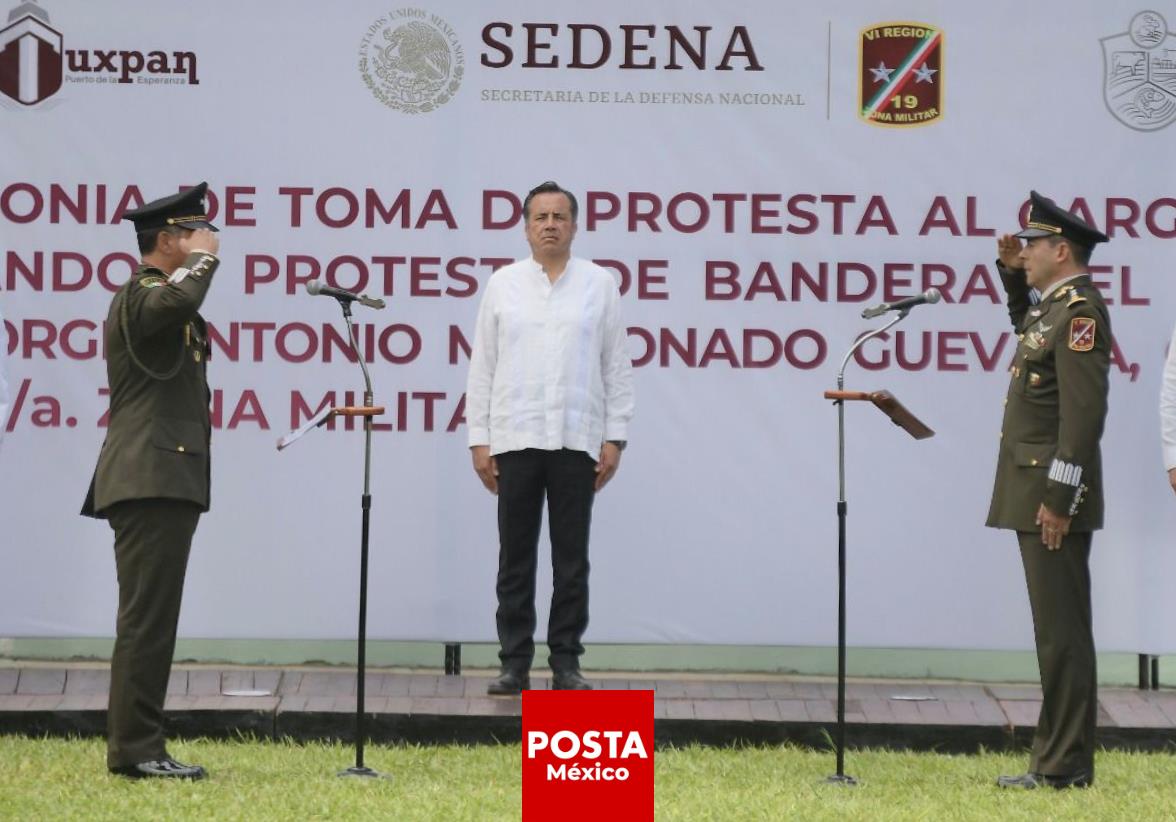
[901,74]
[1081,334]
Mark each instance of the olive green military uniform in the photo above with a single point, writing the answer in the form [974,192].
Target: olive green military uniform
[1049,453]
[152,483]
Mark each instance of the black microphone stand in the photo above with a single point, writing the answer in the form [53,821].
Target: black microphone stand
[359,769]
[841,778]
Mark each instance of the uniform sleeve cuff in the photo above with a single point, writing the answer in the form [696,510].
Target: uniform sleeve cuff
[1063,500]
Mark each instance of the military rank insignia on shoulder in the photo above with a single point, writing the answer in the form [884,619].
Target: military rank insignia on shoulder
[1081,334]
[1075,299]
[151,282]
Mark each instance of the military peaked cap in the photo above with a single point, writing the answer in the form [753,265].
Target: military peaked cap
[1048,219]
[184,210]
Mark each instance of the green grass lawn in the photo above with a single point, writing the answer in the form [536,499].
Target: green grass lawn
[51,779]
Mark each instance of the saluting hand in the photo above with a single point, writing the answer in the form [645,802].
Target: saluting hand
[1008,249]
[201,239]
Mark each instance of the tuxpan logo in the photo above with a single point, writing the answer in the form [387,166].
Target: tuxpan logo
[34,62]
[411,60]
[901,74]
[1139,73]
[30,56]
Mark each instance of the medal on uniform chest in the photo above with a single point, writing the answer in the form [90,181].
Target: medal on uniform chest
[1035,339]
[188,342]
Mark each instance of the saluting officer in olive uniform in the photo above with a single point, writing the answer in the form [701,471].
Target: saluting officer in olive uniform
[152,479]
[1049,475]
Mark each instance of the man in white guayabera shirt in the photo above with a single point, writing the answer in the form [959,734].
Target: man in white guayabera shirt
[1168,412]
[548,404]
[3,378]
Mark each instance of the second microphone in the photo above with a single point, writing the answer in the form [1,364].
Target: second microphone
[316,287]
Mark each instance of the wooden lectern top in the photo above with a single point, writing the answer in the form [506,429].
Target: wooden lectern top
[357,411]
[889,406]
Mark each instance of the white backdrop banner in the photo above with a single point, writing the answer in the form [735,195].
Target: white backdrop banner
[754,173]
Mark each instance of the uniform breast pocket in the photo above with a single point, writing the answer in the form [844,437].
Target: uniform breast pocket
[178,436]
[1033,454]
[1037,375]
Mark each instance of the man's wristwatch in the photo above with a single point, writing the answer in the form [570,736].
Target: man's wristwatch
[620,444]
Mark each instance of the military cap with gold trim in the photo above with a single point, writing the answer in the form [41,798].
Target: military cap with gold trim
[183,210]
[1048,219]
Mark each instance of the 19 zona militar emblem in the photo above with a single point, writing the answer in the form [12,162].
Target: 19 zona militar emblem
[1082,334]
[901,74]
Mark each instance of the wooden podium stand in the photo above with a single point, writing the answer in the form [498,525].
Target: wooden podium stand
[320,419]
[366,411]
[904,419]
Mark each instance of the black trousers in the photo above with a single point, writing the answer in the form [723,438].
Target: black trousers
[152,539]
[567,479]
[1059,595]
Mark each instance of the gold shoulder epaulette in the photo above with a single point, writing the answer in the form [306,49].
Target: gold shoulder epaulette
[152,281]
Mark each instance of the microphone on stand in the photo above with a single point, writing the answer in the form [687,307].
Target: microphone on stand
[316,287]
[931,295]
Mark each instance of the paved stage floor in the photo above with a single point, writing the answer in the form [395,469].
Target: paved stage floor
[714,709]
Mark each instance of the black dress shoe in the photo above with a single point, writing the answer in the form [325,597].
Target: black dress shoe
[1031,781]
[509,683]
[166,768]
[569,681]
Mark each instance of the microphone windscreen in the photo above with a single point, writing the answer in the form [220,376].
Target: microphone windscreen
[314,286]
[932,295]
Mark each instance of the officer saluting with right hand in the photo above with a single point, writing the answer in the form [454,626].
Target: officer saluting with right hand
[152,479]
[1049,475]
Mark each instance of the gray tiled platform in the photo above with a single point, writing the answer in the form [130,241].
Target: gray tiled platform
[317,703]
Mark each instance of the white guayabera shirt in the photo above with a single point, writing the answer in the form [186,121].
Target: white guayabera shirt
[1168,406]
[549,367]
[3,378]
